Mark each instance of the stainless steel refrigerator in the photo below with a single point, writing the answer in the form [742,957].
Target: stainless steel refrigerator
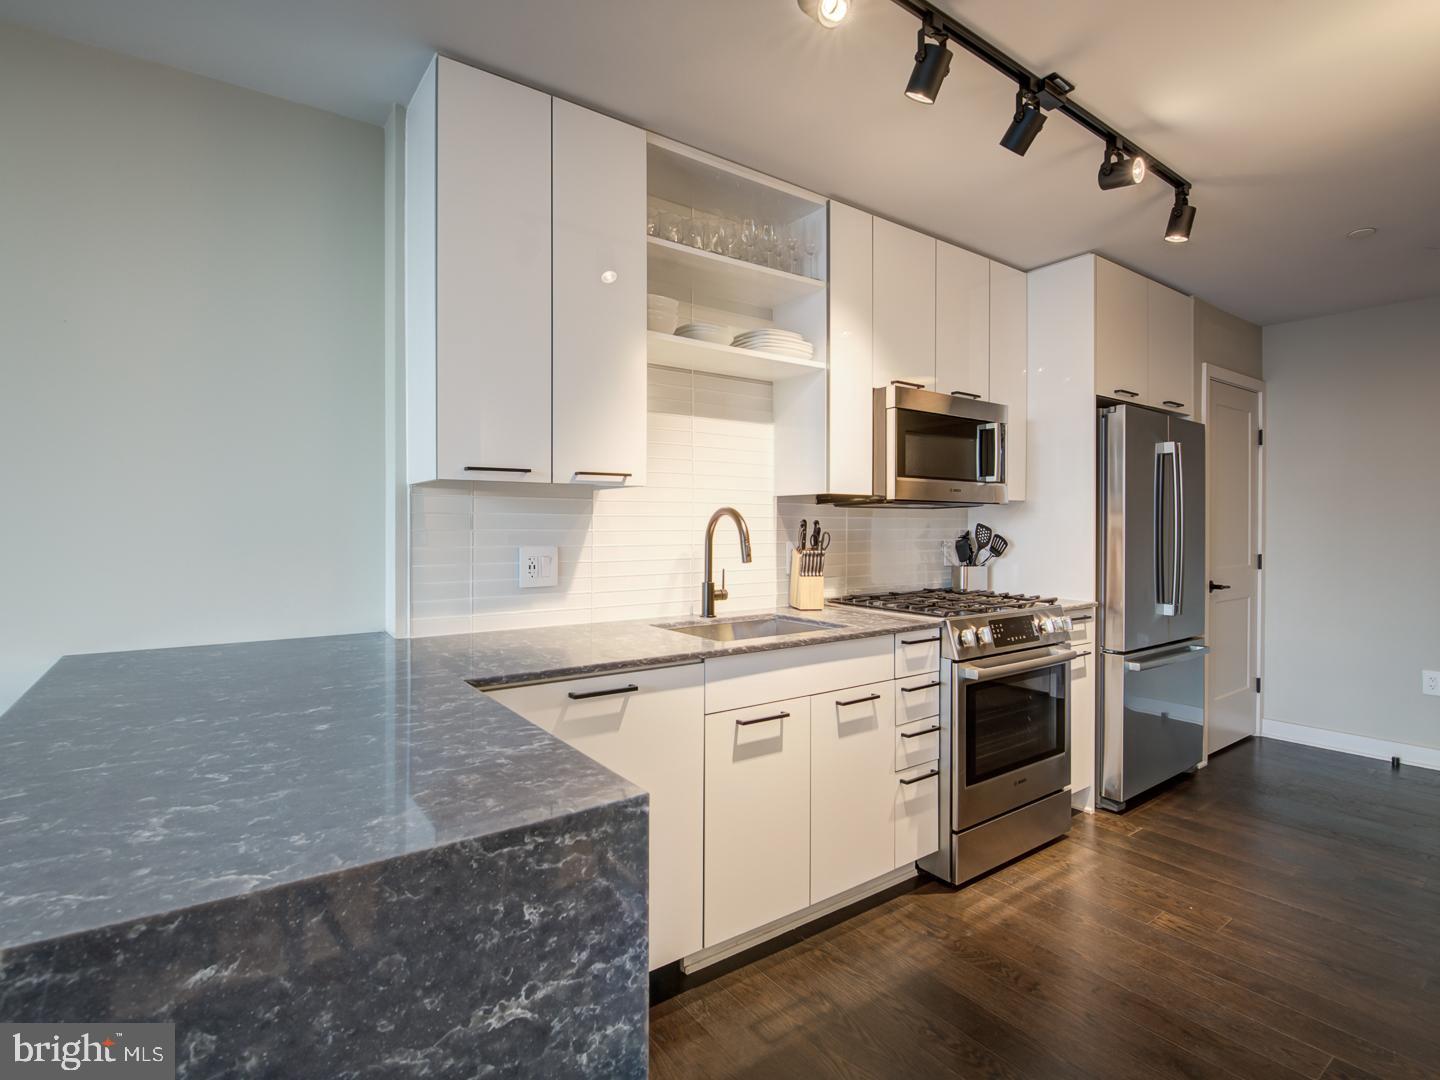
[1152,600]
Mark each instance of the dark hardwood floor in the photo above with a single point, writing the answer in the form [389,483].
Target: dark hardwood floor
[1277,915]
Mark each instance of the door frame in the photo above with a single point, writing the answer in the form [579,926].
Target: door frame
[1241,381]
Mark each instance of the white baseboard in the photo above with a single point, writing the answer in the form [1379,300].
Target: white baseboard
[1427,757]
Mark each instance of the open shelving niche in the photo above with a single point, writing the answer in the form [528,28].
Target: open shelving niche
[717,288]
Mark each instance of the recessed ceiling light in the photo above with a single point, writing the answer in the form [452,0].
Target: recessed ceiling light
[1361,233]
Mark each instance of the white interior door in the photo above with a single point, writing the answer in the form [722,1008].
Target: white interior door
[1233,425]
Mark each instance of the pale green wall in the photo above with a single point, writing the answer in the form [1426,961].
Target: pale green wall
[191,361]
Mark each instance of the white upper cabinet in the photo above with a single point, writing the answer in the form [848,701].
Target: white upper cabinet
[962,322]
[1121,333]
[1171,337]
[851,351]
[599,298]
[1009,378]
[904,292]
[478,295]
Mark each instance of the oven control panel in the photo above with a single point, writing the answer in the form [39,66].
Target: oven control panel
[1016,630]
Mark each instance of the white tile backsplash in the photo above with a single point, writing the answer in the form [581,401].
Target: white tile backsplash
[629,553]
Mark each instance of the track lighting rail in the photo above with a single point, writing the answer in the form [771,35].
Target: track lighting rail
[1052,94]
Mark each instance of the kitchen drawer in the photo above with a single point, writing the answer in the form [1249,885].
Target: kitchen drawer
[917,813]
[757,816]
[1082,628]
[917,652]
[852,787]
[733,682]
[648,726]
[917,743]
[917,698]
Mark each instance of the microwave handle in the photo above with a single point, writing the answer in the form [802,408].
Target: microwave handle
[995,432]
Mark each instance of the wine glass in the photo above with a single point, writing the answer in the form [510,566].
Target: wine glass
[749,236]
[769,247]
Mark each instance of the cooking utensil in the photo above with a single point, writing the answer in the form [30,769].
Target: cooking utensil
[983,533]
[963,551]
[997,547]
[820,555]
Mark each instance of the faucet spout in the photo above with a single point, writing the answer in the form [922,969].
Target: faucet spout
[708,592]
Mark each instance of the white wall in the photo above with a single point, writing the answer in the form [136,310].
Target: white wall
[637,553]
[1226,341]
[1352,447]
[191,356]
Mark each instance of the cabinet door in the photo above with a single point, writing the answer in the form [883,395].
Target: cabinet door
[850,438]
[1009,381]
[492,277]
[904,305]
[916,793]
[654,736]
[599,298]
[1082,719]
[1172,349]
[852,788]
[962,322]
[757,816]
[1121,333]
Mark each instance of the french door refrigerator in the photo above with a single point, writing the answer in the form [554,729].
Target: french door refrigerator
[1152,600]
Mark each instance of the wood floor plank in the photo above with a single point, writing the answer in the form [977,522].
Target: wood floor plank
[1274,916]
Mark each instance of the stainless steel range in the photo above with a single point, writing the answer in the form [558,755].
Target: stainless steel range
[1004,723]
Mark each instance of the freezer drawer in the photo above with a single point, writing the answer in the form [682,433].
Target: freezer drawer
[1154,717]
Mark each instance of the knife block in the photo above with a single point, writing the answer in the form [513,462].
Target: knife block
[807,591]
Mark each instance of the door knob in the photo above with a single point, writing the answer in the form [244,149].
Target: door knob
[1217,588]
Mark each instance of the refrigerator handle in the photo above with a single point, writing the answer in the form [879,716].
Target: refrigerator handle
[1167,603]
[1177,584]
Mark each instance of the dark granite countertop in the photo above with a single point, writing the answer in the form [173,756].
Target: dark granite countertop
[139,783]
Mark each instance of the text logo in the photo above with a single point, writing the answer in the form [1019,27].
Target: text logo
[108,1050]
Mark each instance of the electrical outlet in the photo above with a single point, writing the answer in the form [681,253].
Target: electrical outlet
[1430,683]
[539,567]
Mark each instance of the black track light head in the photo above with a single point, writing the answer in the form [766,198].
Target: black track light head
[1182,217]
[1120,169]
[932,64]
[1025,125]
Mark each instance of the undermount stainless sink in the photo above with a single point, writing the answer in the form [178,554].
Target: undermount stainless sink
[742,629]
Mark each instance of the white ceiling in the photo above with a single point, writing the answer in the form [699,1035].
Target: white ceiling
[1296,120]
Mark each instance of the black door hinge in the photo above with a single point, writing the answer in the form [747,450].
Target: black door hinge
[1257,684]
[1260,434]
[1259,562]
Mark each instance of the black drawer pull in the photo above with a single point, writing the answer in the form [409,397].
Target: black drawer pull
[922,686]
[907,382]
[1174,404]
[494,468]
[917,734]
[964,393]
[761,719]
[859,700]
[917,779]
[597,472]
[603,693]
[920,640]
[1127,393]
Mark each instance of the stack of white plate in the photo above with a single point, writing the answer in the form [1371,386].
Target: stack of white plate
[780,342]
[663,313]
[705,331]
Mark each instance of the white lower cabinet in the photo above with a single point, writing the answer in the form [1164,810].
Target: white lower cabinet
[648,726]
[916,793]
[852,785]
[757,816]
[1082,715]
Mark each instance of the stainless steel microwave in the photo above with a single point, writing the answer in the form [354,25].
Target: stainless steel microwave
[933,448]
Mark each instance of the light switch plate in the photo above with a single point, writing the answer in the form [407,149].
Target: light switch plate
[1430,683]
[539,567]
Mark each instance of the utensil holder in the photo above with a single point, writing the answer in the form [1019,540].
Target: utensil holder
[807,591]
[970,578]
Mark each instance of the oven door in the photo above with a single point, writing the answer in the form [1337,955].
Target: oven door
[1011,741]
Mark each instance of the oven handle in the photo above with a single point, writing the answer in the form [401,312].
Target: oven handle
[977,674]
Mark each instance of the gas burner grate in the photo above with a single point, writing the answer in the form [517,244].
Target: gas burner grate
[945,602]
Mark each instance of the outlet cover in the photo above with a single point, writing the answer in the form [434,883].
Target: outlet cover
[539,567]
[1430,683]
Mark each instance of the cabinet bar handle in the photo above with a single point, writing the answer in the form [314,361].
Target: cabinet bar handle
[603,693]
[598,472]
[917,779]
[922,686]
[1082,618]
[907,382]
[859,700]
[494,468]
[1174,404]
[920,640]
[1127,393]
[964,393]
[761,719]
[917,734]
